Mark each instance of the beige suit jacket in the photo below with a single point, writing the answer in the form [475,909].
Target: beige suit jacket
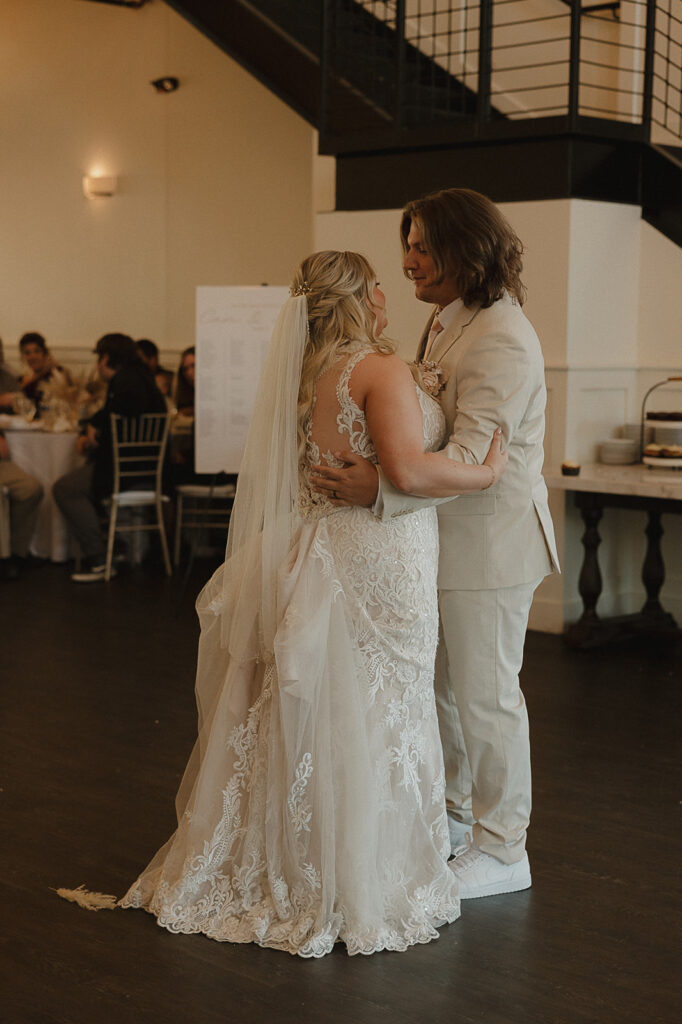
[503,536]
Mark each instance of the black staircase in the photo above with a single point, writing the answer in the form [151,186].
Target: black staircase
[407,104]
[336,64]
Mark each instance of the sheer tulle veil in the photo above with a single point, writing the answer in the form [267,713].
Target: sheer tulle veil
[312,806]
[262,524]
[263,520]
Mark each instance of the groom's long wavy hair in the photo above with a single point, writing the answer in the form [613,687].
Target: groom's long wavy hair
[338,287]
[469,240]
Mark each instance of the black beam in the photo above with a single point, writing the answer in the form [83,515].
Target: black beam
[662,191]
[400,64]
[485,43]
[445,135]
[648,84]
[612,5]
[122,3]
[574,64]
[522,169]
[593,8]
[326,35]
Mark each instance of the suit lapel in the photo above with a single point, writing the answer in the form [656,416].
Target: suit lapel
[445,339]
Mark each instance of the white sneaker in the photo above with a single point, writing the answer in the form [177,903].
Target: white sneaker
[459,833]
[97,572]
[479,874]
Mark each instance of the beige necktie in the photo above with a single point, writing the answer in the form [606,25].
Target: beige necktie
[436,328]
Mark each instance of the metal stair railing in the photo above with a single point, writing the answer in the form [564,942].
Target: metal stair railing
[476,65]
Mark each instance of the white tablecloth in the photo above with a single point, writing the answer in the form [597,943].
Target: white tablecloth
[46,456]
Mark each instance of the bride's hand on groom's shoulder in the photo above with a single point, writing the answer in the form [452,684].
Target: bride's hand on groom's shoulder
[356,484]
[497,458]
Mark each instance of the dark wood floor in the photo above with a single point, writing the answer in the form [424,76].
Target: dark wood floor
[97,718]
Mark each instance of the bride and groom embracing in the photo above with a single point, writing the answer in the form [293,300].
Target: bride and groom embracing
[319,804]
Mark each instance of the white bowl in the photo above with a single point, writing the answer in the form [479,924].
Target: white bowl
[619,443]
[618,451]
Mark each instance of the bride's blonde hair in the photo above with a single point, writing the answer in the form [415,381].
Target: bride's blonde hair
[339,288]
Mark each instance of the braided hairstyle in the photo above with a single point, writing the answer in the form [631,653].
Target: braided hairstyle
[339,289]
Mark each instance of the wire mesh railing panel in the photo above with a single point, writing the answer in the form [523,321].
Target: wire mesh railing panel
[612,63]
[397,65]
[442,58]
[364,55]
[530,57]
[666,110]
[402,63]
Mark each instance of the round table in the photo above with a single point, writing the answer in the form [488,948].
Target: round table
[46,456]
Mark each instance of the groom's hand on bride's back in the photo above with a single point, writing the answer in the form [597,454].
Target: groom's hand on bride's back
[356,484]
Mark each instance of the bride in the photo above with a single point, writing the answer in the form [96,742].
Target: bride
[312,809]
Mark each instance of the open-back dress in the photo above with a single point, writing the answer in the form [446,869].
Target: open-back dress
[313,808]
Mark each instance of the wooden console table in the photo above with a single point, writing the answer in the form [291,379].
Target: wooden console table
[654,491]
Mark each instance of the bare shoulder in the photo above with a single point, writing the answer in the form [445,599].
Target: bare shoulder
[378,367]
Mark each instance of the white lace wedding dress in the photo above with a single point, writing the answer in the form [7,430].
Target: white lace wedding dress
[313,809]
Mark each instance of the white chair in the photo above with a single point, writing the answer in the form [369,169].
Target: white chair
[201,507]
[139,446]
[5,536]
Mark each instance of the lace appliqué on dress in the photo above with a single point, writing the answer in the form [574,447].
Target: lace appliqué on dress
[350,420]
[247,862]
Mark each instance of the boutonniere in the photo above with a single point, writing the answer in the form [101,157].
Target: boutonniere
[430,376]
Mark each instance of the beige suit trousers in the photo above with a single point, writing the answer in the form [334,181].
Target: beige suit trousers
[482,714]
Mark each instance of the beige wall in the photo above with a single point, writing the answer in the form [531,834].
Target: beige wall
[215,180]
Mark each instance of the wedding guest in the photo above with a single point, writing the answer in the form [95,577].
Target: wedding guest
[25,495]
[131,391]
[9,384]
[182,447]
[183,394]
[182,469]
[41,367]
[94,393]
[148,352]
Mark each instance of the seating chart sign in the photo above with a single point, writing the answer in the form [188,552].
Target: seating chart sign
[233,330]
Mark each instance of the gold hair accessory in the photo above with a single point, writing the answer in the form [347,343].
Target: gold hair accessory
[301,289]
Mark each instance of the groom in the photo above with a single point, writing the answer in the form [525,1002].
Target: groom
[495,546]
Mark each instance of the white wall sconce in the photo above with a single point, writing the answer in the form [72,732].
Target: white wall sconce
[99,186]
